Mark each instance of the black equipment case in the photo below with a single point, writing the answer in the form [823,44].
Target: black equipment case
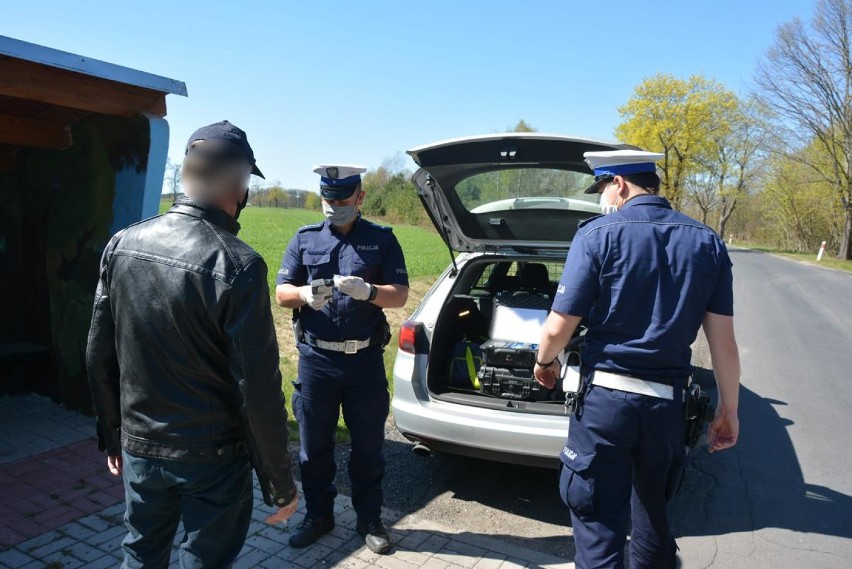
[509,354]
[511,383]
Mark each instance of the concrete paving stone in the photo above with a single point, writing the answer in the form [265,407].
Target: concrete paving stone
[96,523]
[276,534]
[413,557]
[333,541]
[251,560]
[393,562]
[490,561]
[51,547]
[84,552]
[514,564]
[105,562]
[347,518]
[61,559]
[14,558]
[343,532]
[413,540]
[106,536]
[312,556]
[39,541]
[434,543]
[264,544]
[116,510]
[365,554]
[32,565]
[351,563]
[435,563]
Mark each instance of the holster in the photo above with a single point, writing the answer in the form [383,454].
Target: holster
[298,333]
[697,411]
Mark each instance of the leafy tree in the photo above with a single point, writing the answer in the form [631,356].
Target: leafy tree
[522,126]
[678,118]
[806,79]
[730,164]
[312,201]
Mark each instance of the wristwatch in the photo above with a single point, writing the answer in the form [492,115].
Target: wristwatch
[374,292]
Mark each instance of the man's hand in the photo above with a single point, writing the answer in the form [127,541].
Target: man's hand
[354,287]
[723,431]
[285,512]
[547,375]
[315,302]
[114,463]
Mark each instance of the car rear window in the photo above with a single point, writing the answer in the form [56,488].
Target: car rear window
[523,188]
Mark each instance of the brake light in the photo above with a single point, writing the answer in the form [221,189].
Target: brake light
[408,337]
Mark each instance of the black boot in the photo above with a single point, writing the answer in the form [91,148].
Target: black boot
[375,535]
[310,530]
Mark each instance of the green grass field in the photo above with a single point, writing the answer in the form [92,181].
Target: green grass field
[268,230]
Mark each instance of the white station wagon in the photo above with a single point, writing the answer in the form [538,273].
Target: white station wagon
[509,204]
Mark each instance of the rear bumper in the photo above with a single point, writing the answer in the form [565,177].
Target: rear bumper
[507,436]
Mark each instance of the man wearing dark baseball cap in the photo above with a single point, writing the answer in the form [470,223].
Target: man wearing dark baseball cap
[183,367]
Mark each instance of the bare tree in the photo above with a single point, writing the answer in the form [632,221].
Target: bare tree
[731,163]
[173,177]
[806,79]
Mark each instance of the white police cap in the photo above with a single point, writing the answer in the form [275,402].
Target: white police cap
[610,163]
[338,182]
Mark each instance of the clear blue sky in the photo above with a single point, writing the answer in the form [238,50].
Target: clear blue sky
[356,82]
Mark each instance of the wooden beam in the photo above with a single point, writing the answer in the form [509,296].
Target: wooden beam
[28,80]
[33,133]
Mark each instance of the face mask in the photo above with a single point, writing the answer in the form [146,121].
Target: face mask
[241,205]
[339,214]
[605,205]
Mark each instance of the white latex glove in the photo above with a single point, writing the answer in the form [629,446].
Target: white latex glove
[354,287]
[315,302]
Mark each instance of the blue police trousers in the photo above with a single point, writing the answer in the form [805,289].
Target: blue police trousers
[622,455]
[356,382]
[214,498]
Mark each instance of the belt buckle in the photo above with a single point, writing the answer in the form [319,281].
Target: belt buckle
[350,346]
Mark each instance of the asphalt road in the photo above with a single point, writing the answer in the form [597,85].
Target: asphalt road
[781,498]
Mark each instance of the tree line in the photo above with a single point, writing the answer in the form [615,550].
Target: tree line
[772,165]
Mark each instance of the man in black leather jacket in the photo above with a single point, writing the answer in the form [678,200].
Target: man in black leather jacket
[183,367]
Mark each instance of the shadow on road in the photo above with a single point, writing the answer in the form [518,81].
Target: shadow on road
[757,484]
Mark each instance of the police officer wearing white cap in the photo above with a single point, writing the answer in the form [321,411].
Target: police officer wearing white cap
[341,332]
[647,278]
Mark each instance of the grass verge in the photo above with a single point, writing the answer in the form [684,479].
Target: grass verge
[269,230]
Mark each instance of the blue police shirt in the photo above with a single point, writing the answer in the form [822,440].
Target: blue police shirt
[319,251]
[645,276]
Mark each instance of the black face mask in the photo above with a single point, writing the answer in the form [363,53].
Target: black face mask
[241,205]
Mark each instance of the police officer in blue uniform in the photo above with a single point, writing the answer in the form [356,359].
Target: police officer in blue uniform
[647,278]
[341,333]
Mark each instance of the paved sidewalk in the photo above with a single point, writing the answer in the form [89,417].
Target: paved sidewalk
[59,508]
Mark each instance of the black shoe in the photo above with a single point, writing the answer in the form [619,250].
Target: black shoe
[375,535]
[310,530]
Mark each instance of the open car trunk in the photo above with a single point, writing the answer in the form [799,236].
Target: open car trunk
[466,323]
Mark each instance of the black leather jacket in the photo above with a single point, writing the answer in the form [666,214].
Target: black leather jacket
[182,356]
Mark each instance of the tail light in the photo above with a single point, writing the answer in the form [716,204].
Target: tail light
[408,337]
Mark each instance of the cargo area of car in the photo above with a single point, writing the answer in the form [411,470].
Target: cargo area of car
[465,323]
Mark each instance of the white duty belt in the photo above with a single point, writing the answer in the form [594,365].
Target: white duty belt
[345,346]
[632,385]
